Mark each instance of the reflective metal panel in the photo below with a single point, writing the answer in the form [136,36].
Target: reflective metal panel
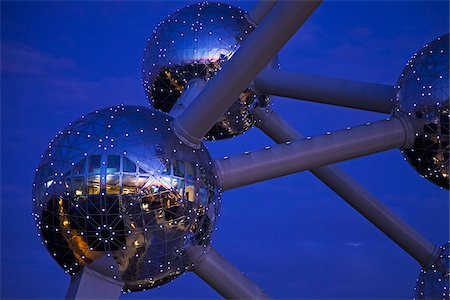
[195,42]
[422,92]
[433,282]
[118,182]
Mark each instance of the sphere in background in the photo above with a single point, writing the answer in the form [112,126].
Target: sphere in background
[195,42]
[422,92]
[433,282]
[118,183]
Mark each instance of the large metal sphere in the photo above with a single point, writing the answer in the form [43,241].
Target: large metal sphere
[118,184]
[195,42]
[422,92]
[433,282]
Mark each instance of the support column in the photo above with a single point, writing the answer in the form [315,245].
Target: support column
[341,92]
[88,284]
[310,153]
[260,10]
[416,245]
[222,276]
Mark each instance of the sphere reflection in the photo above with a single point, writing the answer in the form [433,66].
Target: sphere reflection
[422,92]
[118,183]
[195,42]
[433,282]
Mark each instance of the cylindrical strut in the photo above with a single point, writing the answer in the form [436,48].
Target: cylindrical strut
[236,75]
[416,245]
[348,93]
[260,10]
[315,152]
[222,276]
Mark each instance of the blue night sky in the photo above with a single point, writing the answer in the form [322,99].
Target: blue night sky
[292,236]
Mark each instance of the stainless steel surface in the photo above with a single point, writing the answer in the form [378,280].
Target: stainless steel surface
[433,281]
[221,275]
[354,194]
[310,153]
[342,92]
[260,10]
[89,284]
[119,183]
[195,42]
[423,92]
[236,75]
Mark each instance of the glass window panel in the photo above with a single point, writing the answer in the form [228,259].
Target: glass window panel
[78,169]
[128,184]
[142,181]
[94,164]
[113,164]
[112,184]
[190,192]
[78,185]
[179,185]
[166,169]
[203,195]
[142,171]
[128,166]
[178,168]
[190,171]
[94,185]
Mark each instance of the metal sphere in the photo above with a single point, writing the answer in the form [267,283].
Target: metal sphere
[118,184]
[433,282]
[422,92]
[195,42]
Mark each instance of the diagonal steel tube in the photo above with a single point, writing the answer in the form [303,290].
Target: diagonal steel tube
[254,54]
[260,10]
[309,153]
[95,281]
[354,194]
[222,276]
[348,93]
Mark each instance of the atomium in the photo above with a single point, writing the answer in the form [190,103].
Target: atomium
[118,183]
[118,187]
[195,42]
[422,92]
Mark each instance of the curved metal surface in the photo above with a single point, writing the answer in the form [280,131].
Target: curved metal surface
[195,42]
[423,93]
[118,183]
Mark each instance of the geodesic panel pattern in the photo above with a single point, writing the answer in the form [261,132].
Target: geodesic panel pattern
[119,183]
[195,42]
[433,283]
[423,92]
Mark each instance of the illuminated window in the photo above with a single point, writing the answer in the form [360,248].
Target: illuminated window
[78,185]
[190,192]
[94,185]
[112,184]
[128,184]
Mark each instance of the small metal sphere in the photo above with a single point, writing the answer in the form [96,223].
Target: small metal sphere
[195,42]
[433,282]
[117,187]
[422,92]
